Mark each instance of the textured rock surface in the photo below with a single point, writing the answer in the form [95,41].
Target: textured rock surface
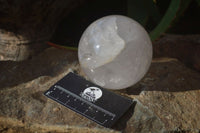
[26,26]
[186,48]
[166,100]
[171,91]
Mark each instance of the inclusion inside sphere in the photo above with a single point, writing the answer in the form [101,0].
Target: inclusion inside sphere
[115,52]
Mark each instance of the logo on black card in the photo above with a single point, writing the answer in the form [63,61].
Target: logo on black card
[91,94]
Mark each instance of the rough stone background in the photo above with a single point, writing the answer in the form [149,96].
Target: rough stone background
[25,26]
[167,99]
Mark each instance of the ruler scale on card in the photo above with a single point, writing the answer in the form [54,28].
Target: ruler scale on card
[88,99]
[77,99]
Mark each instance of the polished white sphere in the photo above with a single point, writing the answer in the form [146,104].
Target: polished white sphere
[115,52]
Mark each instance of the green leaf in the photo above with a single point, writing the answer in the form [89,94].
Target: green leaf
[183,6]
[166,20]
[153,10]
[137,11]
[198,1]
[141,10]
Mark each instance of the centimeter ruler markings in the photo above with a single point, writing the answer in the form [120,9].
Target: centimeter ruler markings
[80,105]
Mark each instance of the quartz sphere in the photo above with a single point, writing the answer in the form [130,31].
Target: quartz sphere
[115,52]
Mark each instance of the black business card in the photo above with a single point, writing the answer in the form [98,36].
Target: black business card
[90,100]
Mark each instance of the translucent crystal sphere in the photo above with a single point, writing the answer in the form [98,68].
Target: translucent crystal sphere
[115,52]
